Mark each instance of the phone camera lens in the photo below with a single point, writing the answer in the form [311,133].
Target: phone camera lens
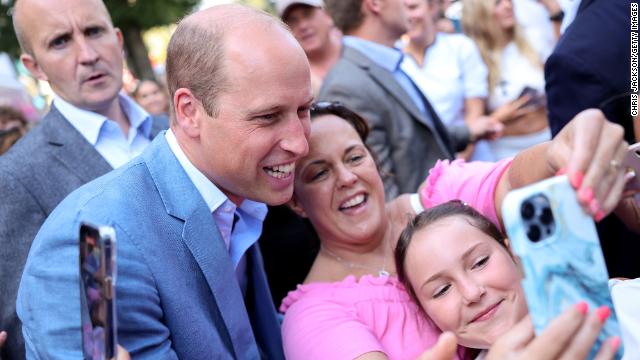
[547,216]
[527,210]
[534,233]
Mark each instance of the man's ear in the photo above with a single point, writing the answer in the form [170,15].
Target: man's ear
[371,6]
[120,39]
[31,64]
[188,112]
[295,205]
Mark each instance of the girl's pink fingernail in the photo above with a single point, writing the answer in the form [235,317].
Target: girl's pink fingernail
[599,216]
[576,179]
[585,195]
[603,313]
[562,171]
[582,307]
[594,206]
[615,343]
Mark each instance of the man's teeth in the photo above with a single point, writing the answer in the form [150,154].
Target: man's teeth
[357,200]
[280,171]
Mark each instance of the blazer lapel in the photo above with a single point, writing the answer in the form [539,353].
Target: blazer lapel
[261,309]
[202,237]
[386,80]
[72,149]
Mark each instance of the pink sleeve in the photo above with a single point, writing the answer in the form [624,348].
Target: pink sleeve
[472,182]
[321,329]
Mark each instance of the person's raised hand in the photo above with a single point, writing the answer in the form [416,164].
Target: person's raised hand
[570,336]
[512,110]
[485,127]
[590,149]
[444,349]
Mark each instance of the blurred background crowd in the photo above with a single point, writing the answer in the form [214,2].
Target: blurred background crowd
[462,76]
[435,79]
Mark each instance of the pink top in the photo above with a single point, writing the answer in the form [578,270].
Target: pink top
[346,319]
[472,182]
[349,318]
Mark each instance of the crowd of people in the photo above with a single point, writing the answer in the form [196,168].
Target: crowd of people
[296,180]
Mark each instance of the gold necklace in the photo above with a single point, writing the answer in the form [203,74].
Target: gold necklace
[351,265]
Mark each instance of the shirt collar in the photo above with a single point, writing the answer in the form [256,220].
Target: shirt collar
[213,197]
[138,117]
[387,57]
[89,123]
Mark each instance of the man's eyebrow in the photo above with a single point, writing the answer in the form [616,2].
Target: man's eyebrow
[263,110]
[56,34]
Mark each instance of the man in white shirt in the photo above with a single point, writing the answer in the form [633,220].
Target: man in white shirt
[90,129]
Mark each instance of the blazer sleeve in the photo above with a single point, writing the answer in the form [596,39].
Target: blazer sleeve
[141,329]
[571,86]
[375,110]
[49,296]
[20,218]
[48,301]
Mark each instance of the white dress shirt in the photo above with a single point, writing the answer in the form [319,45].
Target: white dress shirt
[105,135]
[452,71]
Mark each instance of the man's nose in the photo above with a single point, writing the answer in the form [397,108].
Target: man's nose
[87,54]
[295,138]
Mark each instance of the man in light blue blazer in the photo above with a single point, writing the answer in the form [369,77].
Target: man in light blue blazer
[188,211]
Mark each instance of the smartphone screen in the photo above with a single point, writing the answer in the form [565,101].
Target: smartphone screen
[557,245]
[537,99]
[97,291]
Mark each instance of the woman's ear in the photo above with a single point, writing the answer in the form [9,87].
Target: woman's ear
[295,205]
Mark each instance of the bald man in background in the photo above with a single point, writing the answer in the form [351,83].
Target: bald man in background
[90,129]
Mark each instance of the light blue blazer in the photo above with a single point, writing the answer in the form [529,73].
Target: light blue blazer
[177,293]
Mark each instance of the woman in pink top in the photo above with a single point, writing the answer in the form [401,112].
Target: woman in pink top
[351,305]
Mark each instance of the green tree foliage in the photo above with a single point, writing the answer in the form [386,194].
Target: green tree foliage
[145,14]
[131,16]
[8,41]
[135,16]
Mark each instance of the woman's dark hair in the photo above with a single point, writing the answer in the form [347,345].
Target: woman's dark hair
[336,108]
[431,216]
